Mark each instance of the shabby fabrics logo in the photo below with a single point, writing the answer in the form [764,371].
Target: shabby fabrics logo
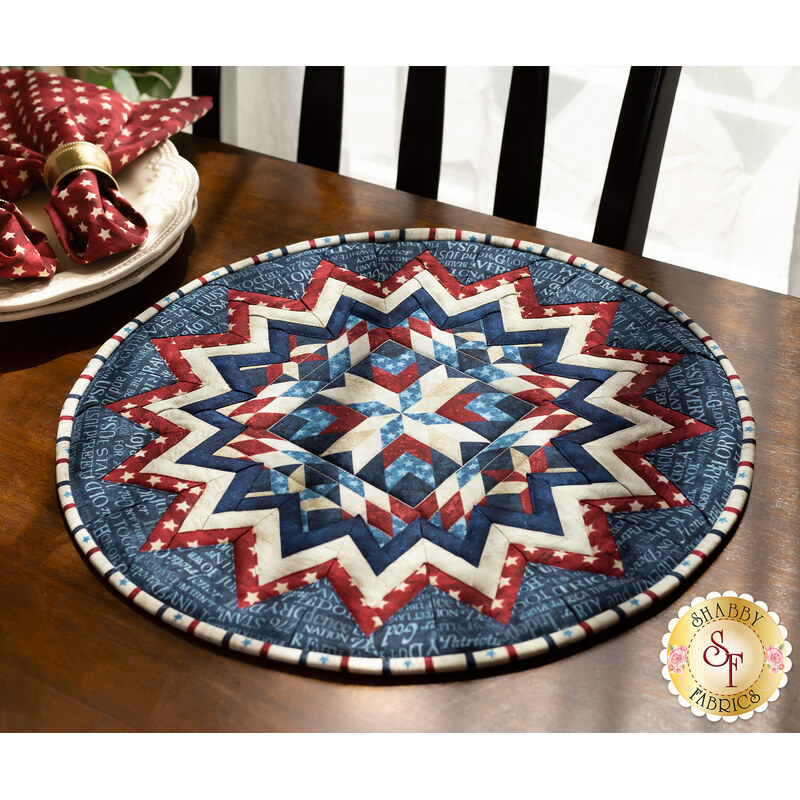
[726,656]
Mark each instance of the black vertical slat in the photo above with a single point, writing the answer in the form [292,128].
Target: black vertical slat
[630,184]
[205,81]
[519,172]
[420,159]
[320,141]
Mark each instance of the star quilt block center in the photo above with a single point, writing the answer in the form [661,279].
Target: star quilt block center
[401,421]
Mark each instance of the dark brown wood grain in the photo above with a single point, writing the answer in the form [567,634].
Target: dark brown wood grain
[74,655]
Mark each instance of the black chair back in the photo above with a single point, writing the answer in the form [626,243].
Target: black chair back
[633,166]
[320,140]
[205,81]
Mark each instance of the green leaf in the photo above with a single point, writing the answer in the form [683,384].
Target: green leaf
[102,76]
[158,82]
[124,83]
[780,646]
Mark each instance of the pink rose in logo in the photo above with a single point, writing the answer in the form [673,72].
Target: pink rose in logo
[677,658]
[774,657]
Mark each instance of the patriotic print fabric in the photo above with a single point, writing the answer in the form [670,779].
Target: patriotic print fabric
[39,112]
[24,250]
[403,452]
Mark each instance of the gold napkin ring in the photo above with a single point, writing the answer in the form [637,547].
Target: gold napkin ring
[73,157]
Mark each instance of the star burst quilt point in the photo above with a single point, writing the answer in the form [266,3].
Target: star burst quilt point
[389,436]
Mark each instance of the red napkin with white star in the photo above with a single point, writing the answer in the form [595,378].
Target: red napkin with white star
[24,251]
[40,111]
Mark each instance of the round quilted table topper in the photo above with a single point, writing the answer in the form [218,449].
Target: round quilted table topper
[403,452]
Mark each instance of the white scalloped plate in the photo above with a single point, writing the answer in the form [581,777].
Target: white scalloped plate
[128,279]
[163,187]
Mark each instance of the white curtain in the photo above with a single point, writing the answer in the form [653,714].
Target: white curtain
[727,196]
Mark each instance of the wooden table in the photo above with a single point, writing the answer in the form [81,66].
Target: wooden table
[75,656]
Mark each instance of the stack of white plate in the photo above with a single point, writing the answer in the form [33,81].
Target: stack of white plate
[162,186]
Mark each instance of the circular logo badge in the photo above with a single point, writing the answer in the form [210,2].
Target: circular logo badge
[726,656]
